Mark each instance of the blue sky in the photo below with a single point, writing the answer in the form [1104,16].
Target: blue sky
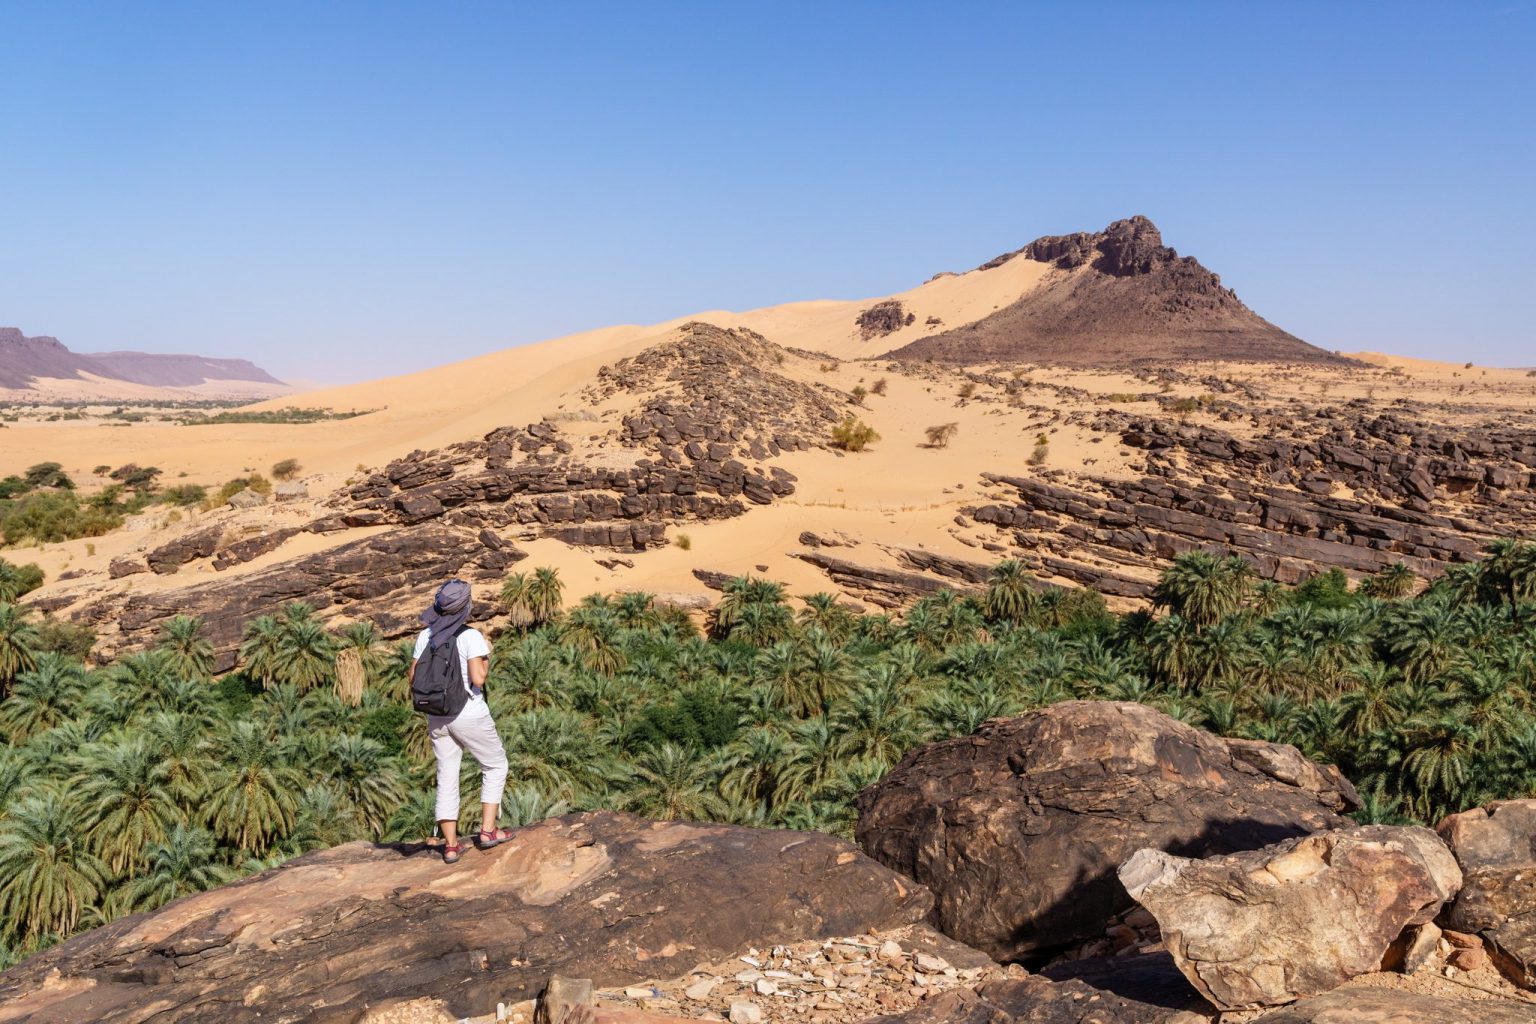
[346,190]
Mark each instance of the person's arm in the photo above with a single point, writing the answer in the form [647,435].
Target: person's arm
[479,668]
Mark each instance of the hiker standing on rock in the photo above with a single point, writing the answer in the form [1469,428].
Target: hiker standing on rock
[447,676]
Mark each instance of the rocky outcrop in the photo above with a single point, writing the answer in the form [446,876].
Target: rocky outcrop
[1122,298]
[883,318]
[1299,918]
[1361,1005]
[608,897]
[167,558]
[1496,848]
[713,412]
[385,578]
[1019,828]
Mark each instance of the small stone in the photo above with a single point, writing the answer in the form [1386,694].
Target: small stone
[764,987]
[890,949]
[636,992]
[699,991]
[1475,959]
[929,964]
[745,1012]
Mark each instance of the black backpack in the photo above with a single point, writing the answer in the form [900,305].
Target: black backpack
[437,686]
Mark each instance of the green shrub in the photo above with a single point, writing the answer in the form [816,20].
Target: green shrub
[70,639]
[48,474]
[53,516]
[286,469]
[18,580]
[184,494]
[853,435]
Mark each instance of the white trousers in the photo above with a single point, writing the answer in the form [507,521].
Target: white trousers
[476,734]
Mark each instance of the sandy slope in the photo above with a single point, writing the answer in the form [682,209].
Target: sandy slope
[469,398]
[899,494]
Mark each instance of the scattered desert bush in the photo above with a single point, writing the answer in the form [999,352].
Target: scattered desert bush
[1121,397]
[684,541]
[184,494]
[878,387]
[136,478]
[255,482]
[859,394]
[968,389]
[273,416]
[941,435]
[853,435]
[286,469]
[48,474]
[51,516]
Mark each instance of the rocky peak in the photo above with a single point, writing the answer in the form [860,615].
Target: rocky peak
[1124,249]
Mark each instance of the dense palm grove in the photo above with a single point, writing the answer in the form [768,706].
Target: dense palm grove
[124,786]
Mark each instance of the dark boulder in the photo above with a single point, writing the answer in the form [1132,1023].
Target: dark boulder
[1019,828]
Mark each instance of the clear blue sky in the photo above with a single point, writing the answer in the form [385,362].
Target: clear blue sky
[343,190]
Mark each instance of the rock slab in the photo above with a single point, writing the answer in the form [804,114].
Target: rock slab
[1496,848]
[1299,918]
[603,896]
[1019,828]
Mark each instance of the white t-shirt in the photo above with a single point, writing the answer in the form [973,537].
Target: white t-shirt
[471,644]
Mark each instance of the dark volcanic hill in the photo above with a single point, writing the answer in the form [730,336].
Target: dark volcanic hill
[1120,296]
[24,360]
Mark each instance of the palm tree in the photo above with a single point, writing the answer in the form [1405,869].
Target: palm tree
[1011,595]
[181,865]
[636,609]
[18,644]
[874,723]
[763,623]
[1392,583]
[181,744]
[1203,589]
[363,637]
[48,879]
[782,666]
[824,614]
[188,653]
[545,595]
[43,697]
[669,783]
[751,765]
[306,653]
[737,595]
[253,792]
[127,799]
[367,779]
[262,638]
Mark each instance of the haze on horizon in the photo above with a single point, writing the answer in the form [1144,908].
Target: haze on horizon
[356,190]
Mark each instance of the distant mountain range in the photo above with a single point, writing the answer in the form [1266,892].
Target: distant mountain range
[44,366]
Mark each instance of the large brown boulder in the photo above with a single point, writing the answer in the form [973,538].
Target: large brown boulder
[604,896]
[1266,927]
[1019,828]
[1496,848]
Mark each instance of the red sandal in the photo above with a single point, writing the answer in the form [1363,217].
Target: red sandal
[486,840]
[452,853]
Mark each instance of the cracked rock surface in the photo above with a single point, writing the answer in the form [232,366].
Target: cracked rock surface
[604,896]
[1019,828]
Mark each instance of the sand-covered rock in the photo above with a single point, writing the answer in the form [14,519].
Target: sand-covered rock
[1019,828]
[604,896]
[1299,918]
